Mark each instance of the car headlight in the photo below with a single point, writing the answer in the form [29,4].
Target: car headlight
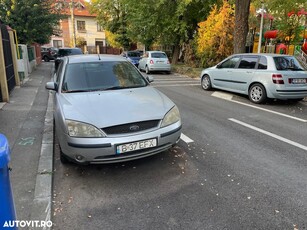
[171,117]
[80,129]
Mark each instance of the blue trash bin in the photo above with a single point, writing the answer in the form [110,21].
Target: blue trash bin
[7,208]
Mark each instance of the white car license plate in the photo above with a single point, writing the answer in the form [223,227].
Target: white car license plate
[299,81]
[145,144]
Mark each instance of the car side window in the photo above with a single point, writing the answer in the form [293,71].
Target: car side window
[248,62]
[263,63]
[230,63]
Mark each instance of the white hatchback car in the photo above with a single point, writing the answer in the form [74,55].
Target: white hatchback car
[260,76]
[155,61]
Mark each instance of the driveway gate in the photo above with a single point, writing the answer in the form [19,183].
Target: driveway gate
[8,60]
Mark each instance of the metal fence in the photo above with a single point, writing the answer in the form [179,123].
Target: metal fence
[8,60]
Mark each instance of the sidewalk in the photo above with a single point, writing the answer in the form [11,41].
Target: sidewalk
[28,124]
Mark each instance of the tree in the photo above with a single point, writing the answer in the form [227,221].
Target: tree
[288,20]
[113,16]
[215,35]
[241,25]
[168,23]
[34,20]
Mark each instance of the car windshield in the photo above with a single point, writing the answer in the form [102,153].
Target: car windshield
[287,63]
[95,76]
[158,55]
[134,54]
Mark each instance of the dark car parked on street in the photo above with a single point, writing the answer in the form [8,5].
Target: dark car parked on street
[63,52]
[49,53]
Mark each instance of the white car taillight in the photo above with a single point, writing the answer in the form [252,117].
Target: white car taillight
[151,62]
[277,79]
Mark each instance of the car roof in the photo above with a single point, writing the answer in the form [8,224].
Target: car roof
[94,58]
[264,54]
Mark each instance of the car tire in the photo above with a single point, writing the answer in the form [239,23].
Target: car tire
[257,93]
[206,82]
[168,72]
[147,71]
[46,59]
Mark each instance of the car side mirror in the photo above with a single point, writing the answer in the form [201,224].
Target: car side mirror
[51,86]
[218,66]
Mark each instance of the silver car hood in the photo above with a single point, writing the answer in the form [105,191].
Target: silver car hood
[114,107]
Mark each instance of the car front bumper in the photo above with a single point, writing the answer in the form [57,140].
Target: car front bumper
[103,150]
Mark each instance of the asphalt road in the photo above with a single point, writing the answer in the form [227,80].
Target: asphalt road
[238,166]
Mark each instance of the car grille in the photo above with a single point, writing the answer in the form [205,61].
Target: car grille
[131,127]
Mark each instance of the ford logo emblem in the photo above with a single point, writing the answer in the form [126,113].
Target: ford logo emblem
[134,128]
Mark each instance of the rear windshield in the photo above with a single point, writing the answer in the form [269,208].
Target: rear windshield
[96,76]
[68,52]
[134,54]
[158,55]
[287,63]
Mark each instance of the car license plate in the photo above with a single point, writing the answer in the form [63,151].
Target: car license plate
[299,81]
[138,145]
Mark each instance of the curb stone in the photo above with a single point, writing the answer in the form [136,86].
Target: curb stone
[41,208]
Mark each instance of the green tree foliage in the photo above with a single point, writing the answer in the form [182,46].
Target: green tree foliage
[33,20]
[287,19]
[215,35]
[113,16]
[166,22]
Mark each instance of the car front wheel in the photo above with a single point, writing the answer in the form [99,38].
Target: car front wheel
[257,93]
[46,59]
[206,82]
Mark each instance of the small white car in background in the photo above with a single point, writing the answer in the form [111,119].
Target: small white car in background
[260,76]
[154,61]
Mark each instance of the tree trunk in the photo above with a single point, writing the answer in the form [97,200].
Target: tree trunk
[176,53]
[241,25]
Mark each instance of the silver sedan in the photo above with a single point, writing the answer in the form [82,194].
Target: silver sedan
[260,76]
[105,111]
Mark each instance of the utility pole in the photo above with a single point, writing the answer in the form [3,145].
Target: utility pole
[72,6]
[261,28]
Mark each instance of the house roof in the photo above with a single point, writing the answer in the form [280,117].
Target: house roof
[81,8]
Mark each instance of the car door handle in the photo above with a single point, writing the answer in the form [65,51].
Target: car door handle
[249,72]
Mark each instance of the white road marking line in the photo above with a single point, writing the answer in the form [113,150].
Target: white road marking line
[186,139]
[270,134]
[222,95]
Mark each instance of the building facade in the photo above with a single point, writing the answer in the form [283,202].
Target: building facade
[80,28]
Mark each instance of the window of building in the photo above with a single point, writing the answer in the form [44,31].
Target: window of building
[81,26]
[57,43]
[99,27]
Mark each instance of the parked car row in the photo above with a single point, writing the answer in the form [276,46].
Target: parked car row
[151,61]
